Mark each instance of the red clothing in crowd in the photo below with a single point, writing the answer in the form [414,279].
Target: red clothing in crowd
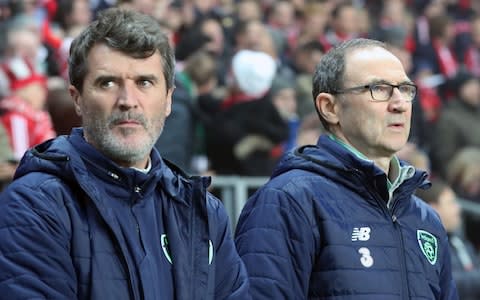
[25,126]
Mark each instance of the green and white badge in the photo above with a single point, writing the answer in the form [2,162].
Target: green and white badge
[429,245]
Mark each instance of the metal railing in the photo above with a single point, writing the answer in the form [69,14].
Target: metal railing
[235,190]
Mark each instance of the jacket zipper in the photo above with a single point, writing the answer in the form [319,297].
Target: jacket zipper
[403,259]
[138,191]
[390,213]
[402,247]
[393,218]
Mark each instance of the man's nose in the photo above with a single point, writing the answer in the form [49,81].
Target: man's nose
[128,95]
[398,101]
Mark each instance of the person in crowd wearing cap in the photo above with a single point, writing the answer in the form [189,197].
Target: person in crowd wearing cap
[244,135]
[252,74]
[338,220]
[22,112]
[98,214]
[465,260]
[458,125]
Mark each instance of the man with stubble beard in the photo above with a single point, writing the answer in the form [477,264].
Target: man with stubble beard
[98,214]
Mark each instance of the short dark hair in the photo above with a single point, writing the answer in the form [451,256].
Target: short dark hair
[133,33]
[329,73]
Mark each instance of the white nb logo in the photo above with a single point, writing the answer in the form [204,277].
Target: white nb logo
[361,234]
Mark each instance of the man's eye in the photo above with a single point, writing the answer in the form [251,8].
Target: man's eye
[381,88]
[107,84]
[407,89]
[145,83]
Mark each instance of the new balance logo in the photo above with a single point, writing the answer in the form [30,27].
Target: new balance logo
[361,234]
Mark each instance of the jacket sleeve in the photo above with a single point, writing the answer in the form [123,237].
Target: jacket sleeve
[34,247]
[231,279]
[277,243]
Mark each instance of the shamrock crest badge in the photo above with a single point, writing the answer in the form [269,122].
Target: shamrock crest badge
[429,245]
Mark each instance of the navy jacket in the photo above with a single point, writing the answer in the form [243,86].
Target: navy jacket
[74,225]
[321,229]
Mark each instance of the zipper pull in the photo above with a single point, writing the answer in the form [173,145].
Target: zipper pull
[394,218]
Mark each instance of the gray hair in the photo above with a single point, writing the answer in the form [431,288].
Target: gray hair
[133,33]
[330,71]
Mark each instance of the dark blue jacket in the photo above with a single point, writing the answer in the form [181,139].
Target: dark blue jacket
[74,225]
[321,229]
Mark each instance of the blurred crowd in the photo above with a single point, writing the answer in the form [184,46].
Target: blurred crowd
[243,78]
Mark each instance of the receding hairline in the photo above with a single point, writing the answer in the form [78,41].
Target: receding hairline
[350,53]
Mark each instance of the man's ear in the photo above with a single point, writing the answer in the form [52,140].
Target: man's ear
[75,94]
[326,105]
[168,103]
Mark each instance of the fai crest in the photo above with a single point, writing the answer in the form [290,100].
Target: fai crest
[428,244]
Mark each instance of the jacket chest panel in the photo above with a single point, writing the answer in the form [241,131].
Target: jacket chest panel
[127,251]
[97,260]
[361,243]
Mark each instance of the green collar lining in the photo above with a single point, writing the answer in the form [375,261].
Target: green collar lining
[399,173]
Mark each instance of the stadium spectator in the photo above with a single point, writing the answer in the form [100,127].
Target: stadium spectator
[23,112]
[183,136]
[245,133]
[463,176]
[459,123]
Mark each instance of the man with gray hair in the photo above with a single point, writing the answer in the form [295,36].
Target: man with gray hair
[338,220]
[98,214]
